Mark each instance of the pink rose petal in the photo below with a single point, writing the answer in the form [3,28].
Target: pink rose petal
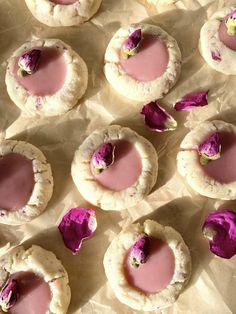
[77,225]
[215,54]
[196,99]
[140,251]
[9,295]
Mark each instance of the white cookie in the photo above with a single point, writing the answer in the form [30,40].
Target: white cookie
[44,264]
[128,86]
[43,187]
[210,43]
[114,269]
[98,195]
[189,167]
[53,14]
[74,87]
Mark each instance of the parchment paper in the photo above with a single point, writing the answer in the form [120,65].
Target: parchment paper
[172,202]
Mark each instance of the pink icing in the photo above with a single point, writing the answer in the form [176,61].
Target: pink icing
[49,76]
[150,62]
[66,2]
[223,169]
[156,273]
[125,170]
[34,294]
[16,181]
[229,41]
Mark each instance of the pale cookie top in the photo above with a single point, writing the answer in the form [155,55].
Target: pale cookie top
[114,266]
[43,182]
[100,196]
[213,50]
[53,14]
[65,98]
[189,167]
[44,264]
[127,85]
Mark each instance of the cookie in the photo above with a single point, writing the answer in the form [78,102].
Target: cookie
[63,12]
[217,178]
[127,181]
[26,182]
[162,266]
[58,77]
[143,76]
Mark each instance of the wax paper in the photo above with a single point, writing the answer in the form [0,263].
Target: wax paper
[171,202]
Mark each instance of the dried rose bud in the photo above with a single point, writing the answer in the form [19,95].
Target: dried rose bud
[210,149]
[9,295]
[29,62]
[230,23]
[131,44]
[215,54]
[157,118]
[103,157]
[77,225]
[220,229]
[196,99]
[140,251]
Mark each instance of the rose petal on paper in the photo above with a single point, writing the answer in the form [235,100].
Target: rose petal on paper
[103,157]
[215,54]
[210,149]
[28,62]
[157,118]
[9,295]
[77,225]
[230,23]
[220,230]
[196,99]
[140,251]
[131,44]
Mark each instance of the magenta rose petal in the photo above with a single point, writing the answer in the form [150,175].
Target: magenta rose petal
[220,230]
[103,157]
[140,251]
[215,54]
[131,44]
[210,149]
[157,118]
[77,225]
[29,62]
[196,99]
[9,295]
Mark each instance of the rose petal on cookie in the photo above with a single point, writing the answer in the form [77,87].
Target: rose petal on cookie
[215,54]
[103,157]
[28,62]
[77,225]
[210,149]
[140,251]
[157,118]
[196,99]
[230,23]
[131,44]
[9,295]
[220,230]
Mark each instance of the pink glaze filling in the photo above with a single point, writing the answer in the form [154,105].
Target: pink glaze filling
[66,2]
[156,273]
[49,76]
[34,294]
[125,170]
[229,41]
[223,169]
[16,181]
[150,62]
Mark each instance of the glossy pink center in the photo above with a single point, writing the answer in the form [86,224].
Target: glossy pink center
[229,41]
[16,181]
[65,2]
[49,76]
[34,294]
[156,273]
[223,169]
[150,62]
[125,170]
